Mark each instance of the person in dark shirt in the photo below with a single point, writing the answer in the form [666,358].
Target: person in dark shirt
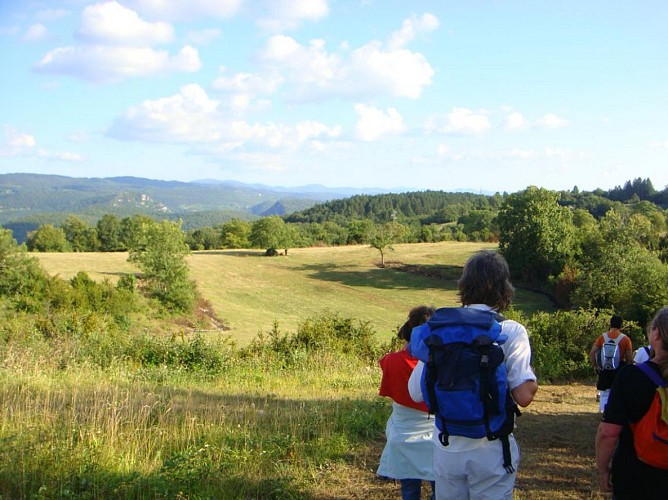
[632,392]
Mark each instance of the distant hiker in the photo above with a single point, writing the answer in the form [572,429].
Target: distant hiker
[645,352]
[610,351]
[407,455]
[474,370]
[623,452]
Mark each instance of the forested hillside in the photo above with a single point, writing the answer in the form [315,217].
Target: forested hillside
[30,200]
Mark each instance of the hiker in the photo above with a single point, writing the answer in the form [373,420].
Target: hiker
[631,397]
[475,467]
[407,455]
[610,350]
[645,352]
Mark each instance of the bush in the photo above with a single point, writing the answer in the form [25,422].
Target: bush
[329,333]
[195,354]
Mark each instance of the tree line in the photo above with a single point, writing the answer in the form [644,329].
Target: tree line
[584,249]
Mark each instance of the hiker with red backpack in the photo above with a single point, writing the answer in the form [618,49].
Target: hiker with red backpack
[474,371]
[632,439]
[610,351]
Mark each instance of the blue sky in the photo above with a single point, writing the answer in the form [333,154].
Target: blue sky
[444,94]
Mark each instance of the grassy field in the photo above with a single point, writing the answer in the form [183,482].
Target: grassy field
[250,291]
[310,428]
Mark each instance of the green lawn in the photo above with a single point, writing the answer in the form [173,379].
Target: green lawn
[249,291]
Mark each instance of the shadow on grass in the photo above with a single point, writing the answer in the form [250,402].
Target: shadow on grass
[557,455]
[394,276]
[236,253]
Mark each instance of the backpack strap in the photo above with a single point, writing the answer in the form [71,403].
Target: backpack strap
[652,374]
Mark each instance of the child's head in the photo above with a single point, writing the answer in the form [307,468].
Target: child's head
[416,317]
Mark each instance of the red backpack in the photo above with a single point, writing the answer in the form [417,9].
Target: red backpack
[650,433]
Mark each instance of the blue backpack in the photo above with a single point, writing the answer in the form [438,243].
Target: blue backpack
[464,382]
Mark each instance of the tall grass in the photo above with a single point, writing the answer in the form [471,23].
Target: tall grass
[254,429]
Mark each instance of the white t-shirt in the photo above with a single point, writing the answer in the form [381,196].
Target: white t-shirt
[642,355]
[517,351]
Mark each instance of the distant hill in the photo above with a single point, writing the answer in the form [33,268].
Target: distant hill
[28,200]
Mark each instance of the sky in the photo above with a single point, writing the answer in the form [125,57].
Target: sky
[486,96]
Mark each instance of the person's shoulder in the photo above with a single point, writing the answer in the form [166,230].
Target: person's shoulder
[512,327]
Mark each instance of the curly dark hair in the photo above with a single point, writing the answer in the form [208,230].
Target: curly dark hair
[416,317]
[486,280]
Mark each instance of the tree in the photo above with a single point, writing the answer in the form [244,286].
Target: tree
[109,234]
[359,231]
[21,276]
[205,238]
[47,238]
[616,270]
[235,234]
[160,254]
[384,236]
[81,237]
[268,233]
[131,229]
[536,234]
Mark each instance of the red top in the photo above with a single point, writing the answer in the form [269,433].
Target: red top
[397,368]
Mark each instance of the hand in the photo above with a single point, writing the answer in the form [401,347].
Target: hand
[604,480]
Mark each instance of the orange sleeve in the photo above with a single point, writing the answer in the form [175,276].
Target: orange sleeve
[599,341]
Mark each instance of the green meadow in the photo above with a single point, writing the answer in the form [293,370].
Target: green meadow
[249,292]
[230,414]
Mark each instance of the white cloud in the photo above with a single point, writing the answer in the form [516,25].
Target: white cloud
[111,23]
[412,28]
[110,64]
[60,156]
[311,72]
[246,83]
[442,150]
[373,123]
[191,117]
[35,33]
[515,120]
[15,143]
[180,10]
[459,121]
[659,145]
[530,154]
[203,37]
[556,153]
[280,15]
[116,45]
[522,154]
[551,120]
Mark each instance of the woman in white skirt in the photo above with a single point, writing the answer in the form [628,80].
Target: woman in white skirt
[408,453]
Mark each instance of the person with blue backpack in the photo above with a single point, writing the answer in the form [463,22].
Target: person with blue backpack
[474,370]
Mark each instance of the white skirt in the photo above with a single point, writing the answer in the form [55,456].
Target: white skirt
[408,453]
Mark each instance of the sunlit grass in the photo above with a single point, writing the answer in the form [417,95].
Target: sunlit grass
[250,291]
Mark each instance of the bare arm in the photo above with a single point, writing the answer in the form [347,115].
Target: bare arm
[524,393]
[593,356]
[628,357]
[607,436]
